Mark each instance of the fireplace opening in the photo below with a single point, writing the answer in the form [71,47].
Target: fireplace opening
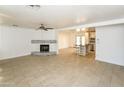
[44,48]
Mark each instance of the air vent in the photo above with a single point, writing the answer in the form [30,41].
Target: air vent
[34,6]
[15,25]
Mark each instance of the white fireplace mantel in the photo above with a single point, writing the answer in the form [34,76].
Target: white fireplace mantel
[52,47]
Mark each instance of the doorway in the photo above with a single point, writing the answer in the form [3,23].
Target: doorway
[81,42]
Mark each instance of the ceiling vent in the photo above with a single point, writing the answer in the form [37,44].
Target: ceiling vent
[15,25]
[34,6]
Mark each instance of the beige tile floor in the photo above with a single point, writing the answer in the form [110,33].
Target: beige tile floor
[65,69]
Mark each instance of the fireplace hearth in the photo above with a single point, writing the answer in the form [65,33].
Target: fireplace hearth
[44,48]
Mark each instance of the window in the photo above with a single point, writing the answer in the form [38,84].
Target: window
[80,40]
[83,40]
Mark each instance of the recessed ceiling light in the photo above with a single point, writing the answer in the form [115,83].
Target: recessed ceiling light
[83,29]
[78,29]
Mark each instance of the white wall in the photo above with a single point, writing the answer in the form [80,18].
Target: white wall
[66,39]
[72,39]
[15,41]
[63,40]
[110,44]
[45,35]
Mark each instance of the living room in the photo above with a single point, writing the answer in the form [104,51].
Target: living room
[61,45]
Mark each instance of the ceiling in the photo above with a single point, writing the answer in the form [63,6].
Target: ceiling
[58,16]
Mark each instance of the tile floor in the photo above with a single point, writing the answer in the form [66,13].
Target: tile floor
[66,69]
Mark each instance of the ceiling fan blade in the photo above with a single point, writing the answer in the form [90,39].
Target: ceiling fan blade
[37,28]
[49,28]
[42,27]
[45,29]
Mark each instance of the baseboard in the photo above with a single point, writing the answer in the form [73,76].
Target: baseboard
[3,60]
[99,60]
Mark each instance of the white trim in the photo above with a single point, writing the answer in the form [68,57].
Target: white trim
[103,23]
[13,57]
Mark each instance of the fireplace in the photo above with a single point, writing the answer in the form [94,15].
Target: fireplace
[44,48]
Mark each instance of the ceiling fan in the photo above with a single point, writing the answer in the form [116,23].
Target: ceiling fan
[42,27]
